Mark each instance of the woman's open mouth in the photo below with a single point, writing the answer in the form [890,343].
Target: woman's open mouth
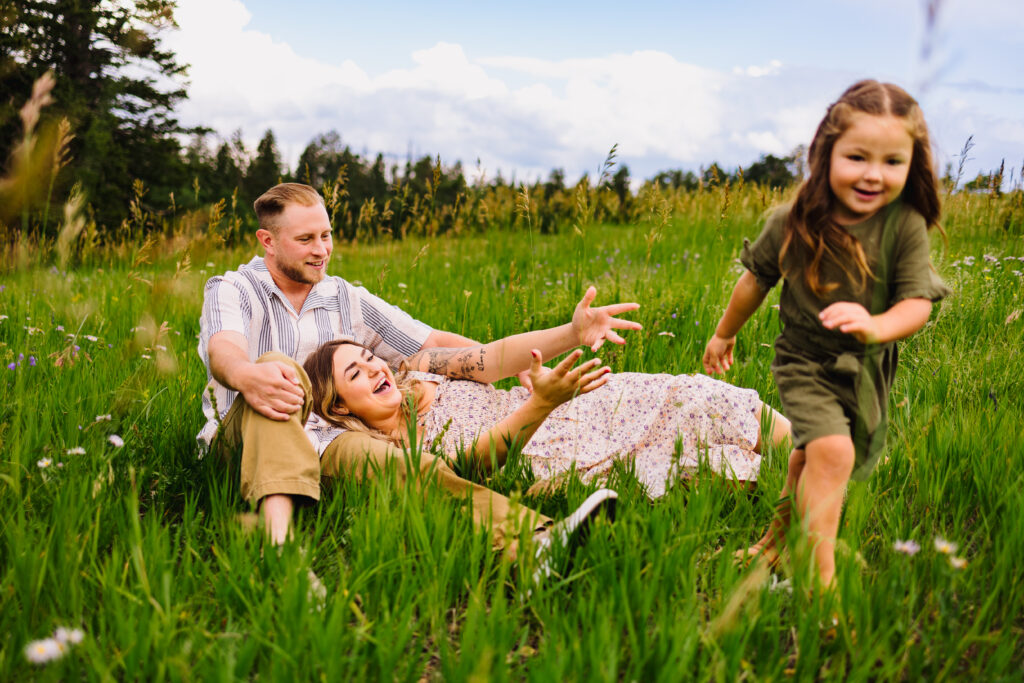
[383,386]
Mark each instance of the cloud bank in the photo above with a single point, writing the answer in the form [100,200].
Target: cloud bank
[526,116]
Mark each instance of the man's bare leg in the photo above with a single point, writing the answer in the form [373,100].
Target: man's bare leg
[277,517]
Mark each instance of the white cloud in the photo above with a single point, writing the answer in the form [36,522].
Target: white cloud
[520,114]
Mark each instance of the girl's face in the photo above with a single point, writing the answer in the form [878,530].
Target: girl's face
[869,166]
[365,384]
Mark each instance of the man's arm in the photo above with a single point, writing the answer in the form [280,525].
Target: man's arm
[271,389]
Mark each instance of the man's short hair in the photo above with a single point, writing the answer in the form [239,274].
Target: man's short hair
[274,201]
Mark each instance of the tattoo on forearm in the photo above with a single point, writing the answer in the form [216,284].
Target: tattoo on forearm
[456,363]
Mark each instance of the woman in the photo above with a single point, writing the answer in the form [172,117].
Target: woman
[579,417]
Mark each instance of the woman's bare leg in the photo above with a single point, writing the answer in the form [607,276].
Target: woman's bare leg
[781,428]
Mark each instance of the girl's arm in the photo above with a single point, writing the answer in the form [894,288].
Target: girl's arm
[506,357]
[747,295]
[902,320]
[551,388]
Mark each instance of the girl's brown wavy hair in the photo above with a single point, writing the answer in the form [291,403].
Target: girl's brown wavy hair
[810,231]
[328,405]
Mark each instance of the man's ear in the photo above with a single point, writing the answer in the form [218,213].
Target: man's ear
[265,237]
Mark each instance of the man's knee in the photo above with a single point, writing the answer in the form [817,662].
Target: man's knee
[272,356]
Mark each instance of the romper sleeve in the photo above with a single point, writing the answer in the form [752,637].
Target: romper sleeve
[913,276]
[762,257]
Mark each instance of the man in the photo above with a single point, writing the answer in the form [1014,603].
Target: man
[258,325]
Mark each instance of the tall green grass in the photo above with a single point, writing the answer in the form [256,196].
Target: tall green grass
[141,545]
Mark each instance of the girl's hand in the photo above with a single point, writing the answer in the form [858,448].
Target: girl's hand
[851,318]
[595,325]
[718,354]
[553,387]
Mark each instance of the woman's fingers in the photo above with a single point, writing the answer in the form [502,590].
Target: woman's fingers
[563,367]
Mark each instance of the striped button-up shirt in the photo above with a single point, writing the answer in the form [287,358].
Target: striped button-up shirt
[248,302]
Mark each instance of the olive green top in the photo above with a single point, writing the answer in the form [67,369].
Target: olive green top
[911,275]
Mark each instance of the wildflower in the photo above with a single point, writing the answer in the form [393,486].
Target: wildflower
[3,317]
[44,463]
[117,441]
[32,361]
[211,264]
[673,316]
[160,347]
[146,356]
[91,338]
[943,546]
[69,636]
[402,285]
[77,450]
[990,258]
[666,334]
[104,418]
[1016,272]
[59,328]
[45,650]
[357,283]
[907,547]
[33,330]
[11,366]
[957,562]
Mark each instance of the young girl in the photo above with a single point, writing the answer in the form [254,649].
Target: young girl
[852,251]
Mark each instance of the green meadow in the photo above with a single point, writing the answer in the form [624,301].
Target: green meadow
[146,549]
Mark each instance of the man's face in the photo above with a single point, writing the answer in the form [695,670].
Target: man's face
[302,246]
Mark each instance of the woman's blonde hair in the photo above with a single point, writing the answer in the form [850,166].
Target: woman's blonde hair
[811,234]
[319,366]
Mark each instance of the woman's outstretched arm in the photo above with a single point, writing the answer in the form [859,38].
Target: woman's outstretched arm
[551,388]
[506,357]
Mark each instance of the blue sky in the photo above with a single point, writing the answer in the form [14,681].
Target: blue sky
[526,87]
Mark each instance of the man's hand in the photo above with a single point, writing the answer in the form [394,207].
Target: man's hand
[272,390]
[718,354]
[851,318]
[555,386]
[595,325]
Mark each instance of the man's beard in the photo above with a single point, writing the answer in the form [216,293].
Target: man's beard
[297,275]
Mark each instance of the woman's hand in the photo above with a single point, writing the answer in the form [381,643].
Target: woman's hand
[553,387]
[595,325]
[718,354]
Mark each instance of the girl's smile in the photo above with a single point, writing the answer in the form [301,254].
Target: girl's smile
[869,166]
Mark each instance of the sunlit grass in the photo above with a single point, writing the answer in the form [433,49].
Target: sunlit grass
[141,546]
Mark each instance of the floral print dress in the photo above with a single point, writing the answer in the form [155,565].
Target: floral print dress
[635,416]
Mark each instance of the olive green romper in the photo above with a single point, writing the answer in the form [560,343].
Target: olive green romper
[829,382]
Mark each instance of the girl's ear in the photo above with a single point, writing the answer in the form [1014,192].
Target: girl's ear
[339,409]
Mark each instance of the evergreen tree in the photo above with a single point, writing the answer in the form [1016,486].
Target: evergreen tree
[115,84]
[266,168]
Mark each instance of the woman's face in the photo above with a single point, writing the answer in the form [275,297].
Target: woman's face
[365,384]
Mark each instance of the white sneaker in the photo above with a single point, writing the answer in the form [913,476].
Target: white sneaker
[563,534]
